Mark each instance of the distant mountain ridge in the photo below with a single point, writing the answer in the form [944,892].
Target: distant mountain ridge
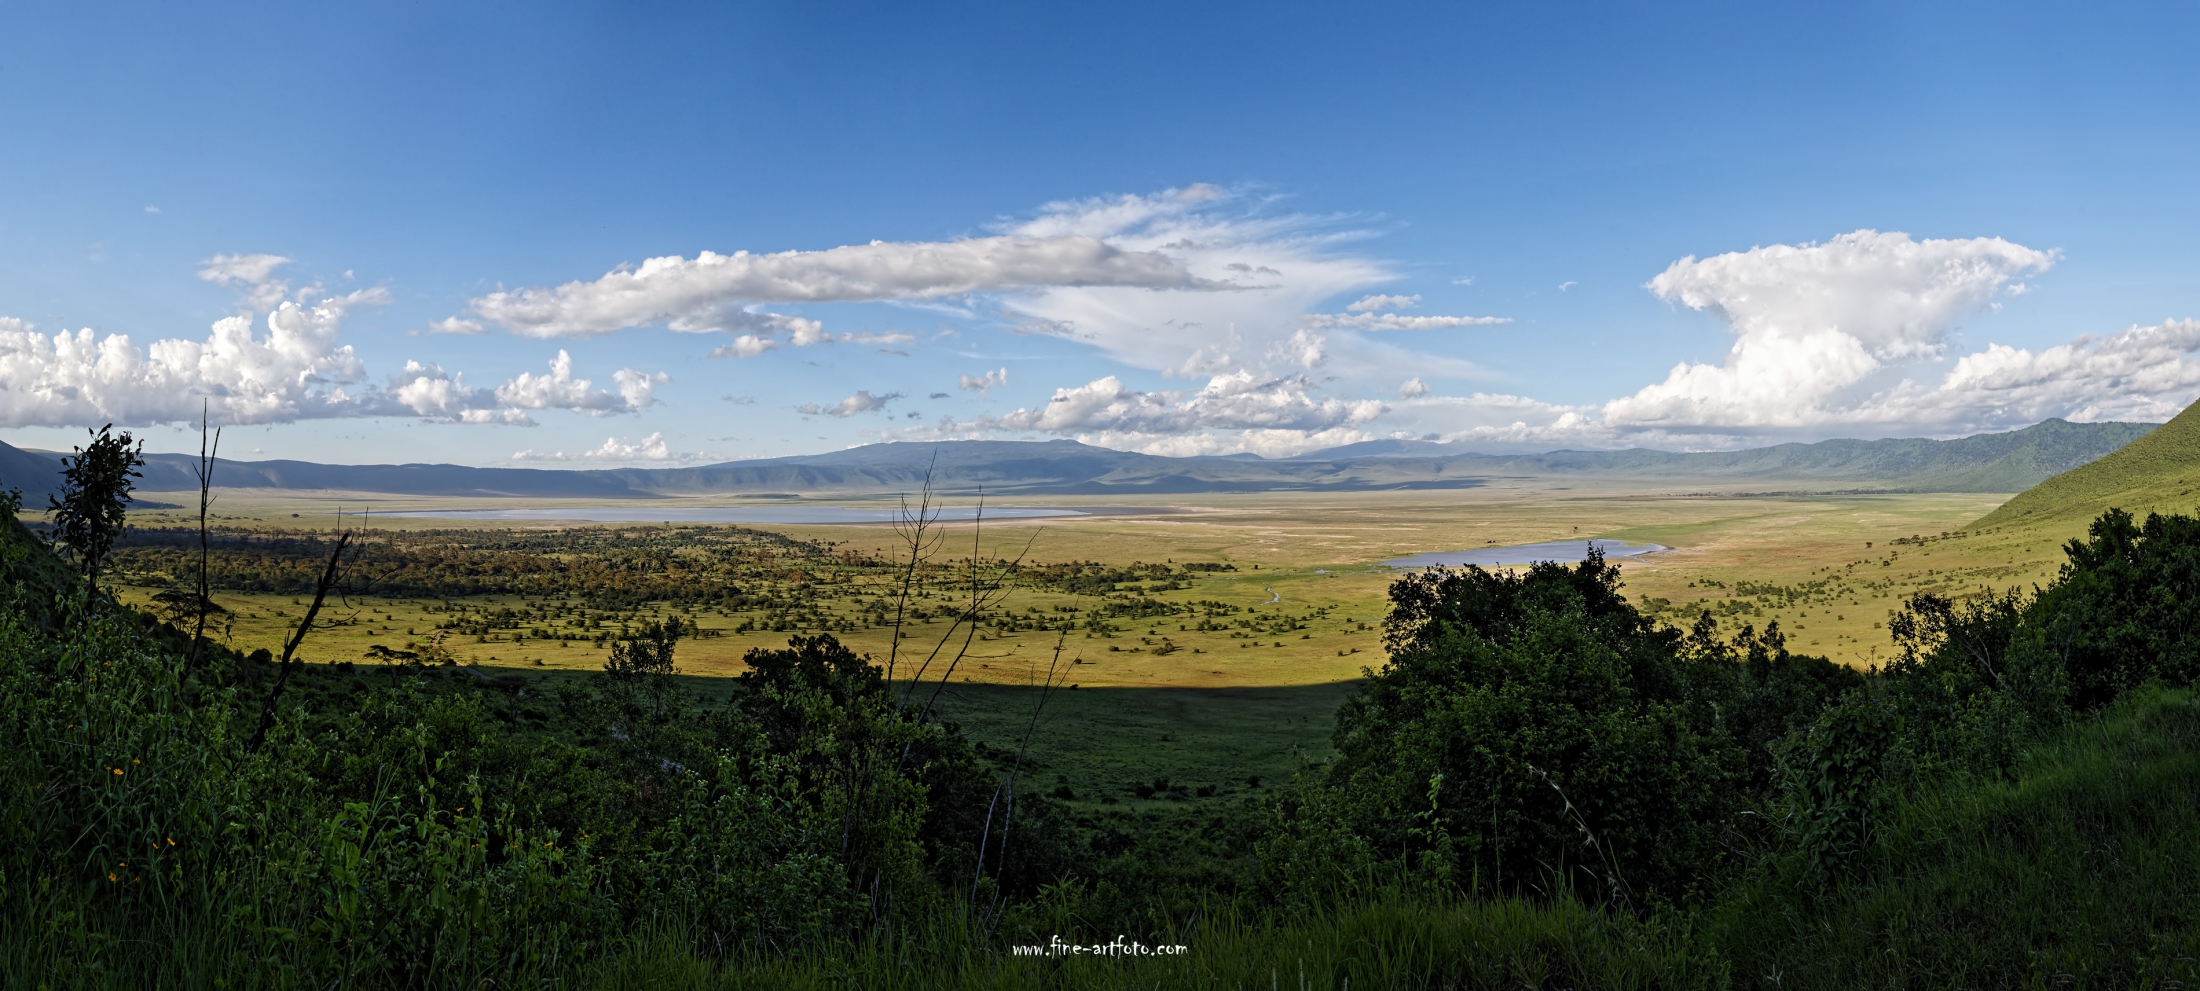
[2004,462]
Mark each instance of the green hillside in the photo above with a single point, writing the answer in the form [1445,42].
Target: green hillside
[2158,472]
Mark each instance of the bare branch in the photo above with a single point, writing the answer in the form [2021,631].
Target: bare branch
[290,649]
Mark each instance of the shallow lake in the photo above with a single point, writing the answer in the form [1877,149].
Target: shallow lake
[733,514]
[1564,551]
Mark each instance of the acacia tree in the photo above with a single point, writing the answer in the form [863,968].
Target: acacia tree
[95,490]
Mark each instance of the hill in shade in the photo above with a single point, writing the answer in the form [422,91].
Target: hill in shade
[2004,462]
[2159,472]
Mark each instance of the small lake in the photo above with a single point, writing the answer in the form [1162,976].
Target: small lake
[1563,551]
[733,514]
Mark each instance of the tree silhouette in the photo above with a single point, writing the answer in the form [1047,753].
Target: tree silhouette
[95,490]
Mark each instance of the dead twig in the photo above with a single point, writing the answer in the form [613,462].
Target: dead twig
[290,649]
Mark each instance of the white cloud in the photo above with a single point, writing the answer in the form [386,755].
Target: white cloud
[1371,304]
[1238,401]
[429,391]
[800,333]
[650,448]
[456,325]
[1303,349]
[1814,321]
[295,371]
[1396,321]
[745,346]
[1266,443]
[711,291]
[861,402]
[1279,267]
[255,273]
[1828,340]
[232,270]
[1413,389]
[982,384]
[560,390]
[2141,373]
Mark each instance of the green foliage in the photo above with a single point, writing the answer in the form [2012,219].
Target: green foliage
[89,516]
[1832,783]
[2074,870]
[1542,788]
[1543,733]
[646,652]
[2124,608]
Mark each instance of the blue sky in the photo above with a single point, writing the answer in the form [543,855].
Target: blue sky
[1520,227]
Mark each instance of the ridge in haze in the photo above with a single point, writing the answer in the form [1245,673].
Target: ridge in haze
[2004,462]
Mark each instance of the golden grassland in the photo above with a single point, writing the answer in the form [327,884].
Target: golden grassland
[1306,558]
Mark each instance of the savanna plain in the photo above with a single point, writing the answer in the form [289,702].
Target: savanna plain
[1210,678]
[1820,739]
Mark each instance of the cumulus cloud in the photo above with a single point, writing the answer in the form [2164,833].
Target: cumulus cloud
[1266,443]
[652,448]
[1238,401]
[1813,321]
[861,402]
[429,391]
[1841,338]
[1413,388]
[1373,304]
[560,390]
[295,370]
[426,390]
[714,292]
[980,384]
[2141,373]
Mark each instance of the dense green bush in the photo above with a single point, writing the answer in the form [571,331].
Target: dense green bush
[1542,787]
[2126,607]
[1533,731]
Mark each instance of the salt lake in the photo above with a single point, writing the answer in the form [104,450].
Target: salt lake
[735,514]
[1564,551]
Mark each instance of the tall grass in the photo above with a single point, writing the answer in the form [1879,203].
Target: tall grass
[2082,869]
[141,846]
[1392,941]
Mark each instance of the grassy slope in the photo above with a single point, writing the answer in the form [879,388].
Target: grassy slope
[2077,873]
[2160,471]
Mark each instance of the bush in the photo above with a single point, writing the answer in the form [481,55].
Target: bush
[1546,734]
